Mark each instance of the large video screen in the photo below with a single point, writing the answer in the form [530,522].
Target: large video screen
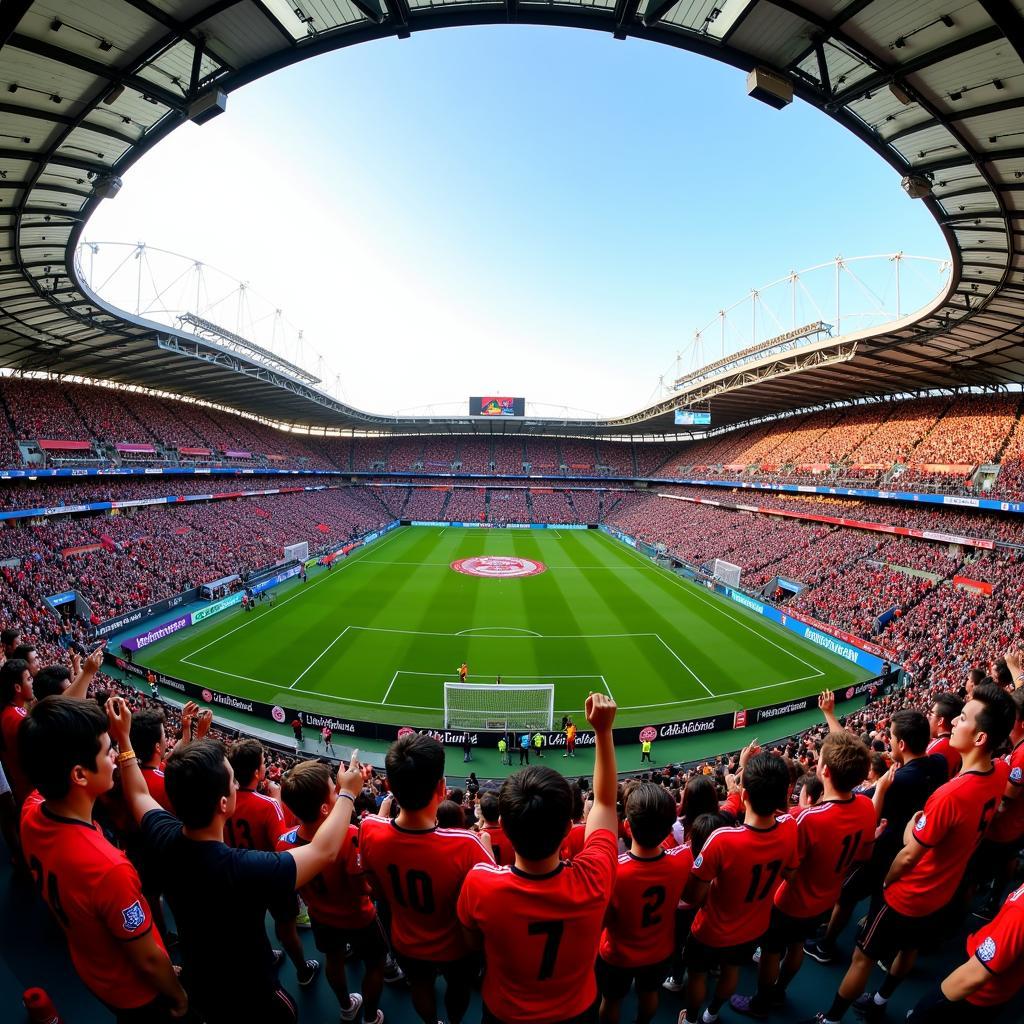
[490,405]
[689,418]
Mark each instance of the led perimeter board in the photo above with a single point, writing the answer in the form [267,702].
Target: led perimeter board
[490,405]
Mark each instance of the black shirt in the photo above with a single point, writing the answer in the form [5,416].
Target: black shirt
[911,786]
[219,897]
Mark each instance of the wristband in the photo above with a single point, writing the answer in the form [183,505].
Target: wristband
[344,793]
[126,755]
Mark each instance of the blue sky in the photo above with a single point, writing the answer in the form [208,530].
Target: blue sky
[511,210]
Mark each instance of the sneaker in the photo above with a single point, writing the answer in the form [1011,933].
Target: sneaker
[307,973]
[379,1019]
[355,1004]
[392,972]
[818,952]
[756,958]
[302,918]
[866,1006]
[748,1006]
[673,984]
[708,1018]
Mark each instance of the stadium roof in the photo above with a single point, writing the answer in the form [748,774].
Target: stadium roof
[936,89]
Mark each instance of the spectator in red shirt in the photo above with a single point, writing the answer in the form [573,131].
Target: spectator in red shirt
[340,909]
[945,710]
[16,695]
[539,920]
[639,931]
[89,885]
[733,882]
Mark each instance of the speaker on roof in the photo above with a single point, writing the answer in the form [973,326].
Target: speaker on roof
[770,87]
[208,105]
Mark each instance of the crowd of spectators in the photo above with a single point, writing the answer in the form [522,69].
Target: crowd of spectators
[551,507]
[507,505]
[466,505]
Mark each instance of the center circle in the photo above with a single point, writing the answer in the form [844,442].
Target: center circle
[498,567]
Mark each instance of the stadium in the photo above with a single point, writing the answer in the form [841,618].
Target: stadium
[804,552]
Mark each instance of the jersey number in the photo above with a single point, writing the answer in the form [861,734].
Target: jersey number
[418,891]
[771,869]
[48,890]
[552,932]
[243,839]
[654,897]
[851,844]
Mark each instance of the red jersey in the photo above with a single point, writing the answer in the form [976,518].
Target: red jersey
[340,895]
[420,874]
[1008,825]
[999,947]
[501,845]
[640,926]
[157,789]
[95,895]
[744,866]
[541,932]
[256,824]
[11,717]
[954,820]
[831,838]
[940,745]
[573,842]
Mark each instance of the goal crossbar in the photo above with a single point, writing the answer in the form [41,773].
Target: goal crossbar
[500,707]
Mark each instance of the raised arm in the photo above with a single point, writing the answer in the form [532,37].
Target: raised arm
[601,715]
[326,844]
[827,706]
[84,672]
[133,782]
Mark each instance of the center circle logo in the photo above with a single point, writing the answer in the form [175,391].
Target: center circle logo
[499,567]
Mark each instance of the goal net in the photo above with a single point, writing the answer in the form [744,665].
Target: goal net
[297,552]
[499,706]
[727,572]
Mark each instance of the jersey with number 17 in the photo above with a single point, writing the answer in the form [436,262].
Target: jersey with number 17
[420,874]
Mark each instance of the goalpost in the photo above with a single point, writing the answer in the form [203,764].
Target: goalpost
[727,572]
[499,706]
[297,552]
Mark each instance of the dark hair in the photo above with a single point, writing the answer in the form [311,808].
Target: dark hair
[245,757]
[976,675]
[766,780]
[879,765]
[8,636]
[911,728]
[948,706]
[578,801]
[651,813]
[415,767]
[699,797]
[23,651]
[449,815]
[997,715]
[1003,677]
[147,725]
[196,777]
[489,807]
[847,760]
[59,734]
[51,681]
[11,674]
[812,786]
[701,829]
[1018,702]
[305,789]
[536,811]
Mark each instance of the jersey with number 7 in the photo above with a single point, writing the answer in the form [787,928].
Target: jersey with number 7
[541,932]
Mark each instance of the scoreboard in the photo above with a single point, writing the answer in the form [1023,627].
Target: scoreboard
[491,405]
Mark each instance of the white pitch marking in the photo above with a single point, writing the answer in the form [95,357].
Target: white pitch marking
[318,657]
[480,630]
[384,699]
[700,681]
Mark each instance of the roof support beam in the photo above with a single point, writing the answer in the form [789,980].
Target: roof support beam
[53,117]
[1009,21]
[625,15]
[182,30]
[942,53]
[100,70]
[400,15]
[10,15]
[968,160]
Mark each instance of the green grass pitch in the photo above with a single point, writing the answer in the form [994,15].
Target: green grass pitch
[377,637]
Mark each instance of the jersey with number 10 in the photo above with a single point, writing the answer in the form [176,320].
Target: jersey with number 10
[541,932]
[420,875]
[744,866]
[952,824]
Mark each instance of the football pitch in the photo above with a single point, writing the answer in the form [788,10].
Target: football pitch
[377,637]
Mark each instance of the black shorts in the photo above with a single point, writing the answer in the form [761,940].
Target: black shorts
[886,932]
[614,982]
[701,958]
[461,972]
[369,943]
[785,931]
[588,1016]
[864,880]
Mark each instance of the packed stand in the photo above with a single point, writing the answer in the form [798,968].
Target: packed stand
[466,505]
[551,507]
[507,506]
